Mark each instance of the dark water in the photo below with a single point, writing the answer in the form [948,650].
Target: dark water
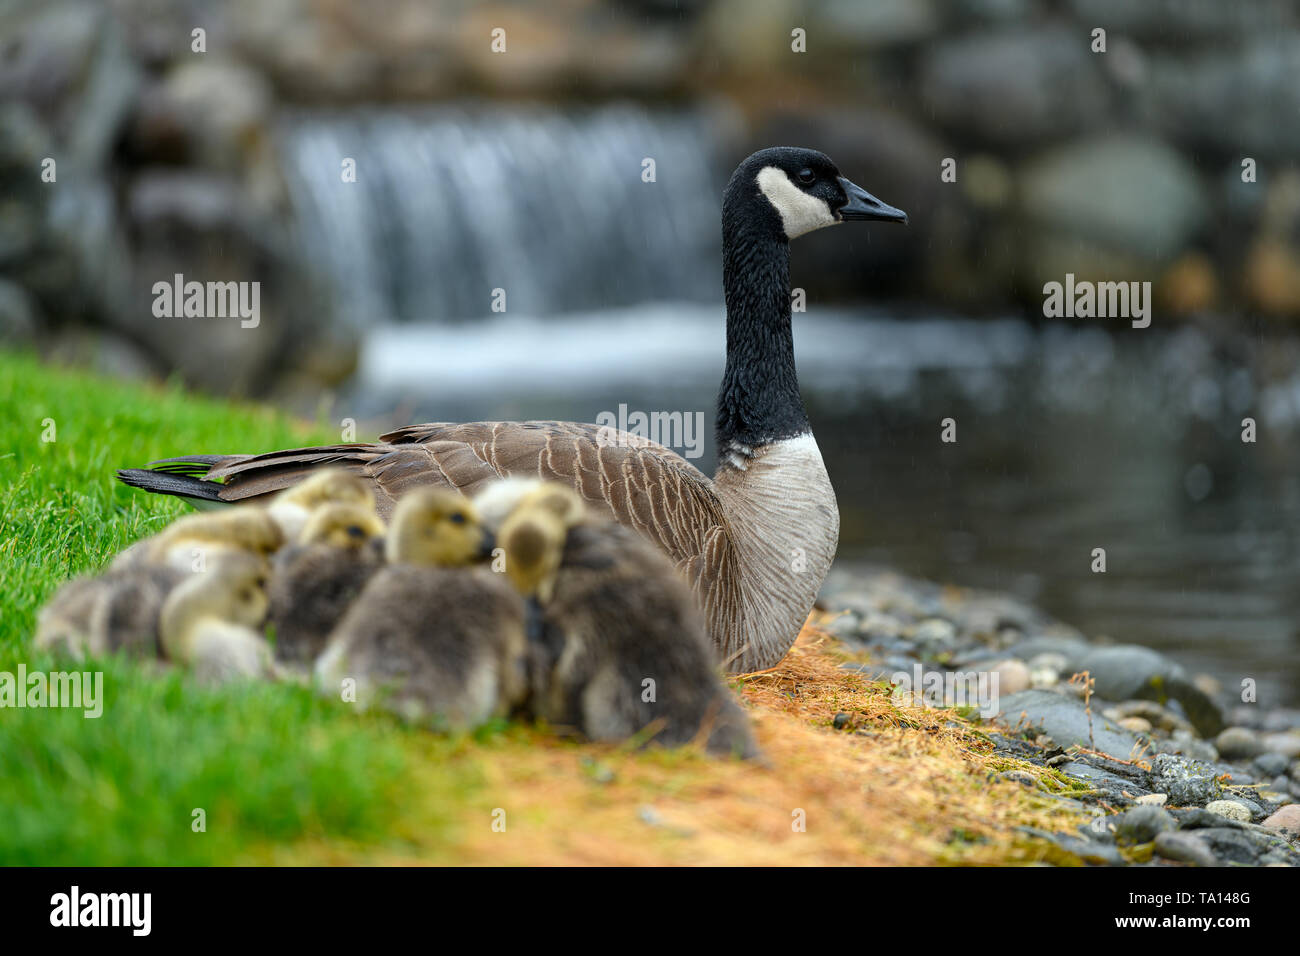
[1068,439]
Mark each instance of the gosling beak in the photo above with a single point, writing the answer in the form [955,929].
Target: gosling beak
[486,544]
[862,206]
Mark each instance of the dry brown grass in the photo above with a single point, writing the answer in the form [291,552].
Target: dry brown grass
[906,785]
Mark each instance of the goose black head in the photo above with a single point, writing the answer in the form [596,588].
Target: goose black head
[793,191]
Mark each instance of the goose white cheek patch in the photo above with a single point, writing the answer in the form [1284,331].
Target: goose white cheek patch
[800,213]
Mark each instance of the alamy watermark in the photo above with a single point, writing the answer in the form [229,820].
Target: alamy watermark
[208,300]
[1102,300]
[75,908]
[976,689]
[684,430]
[78,690]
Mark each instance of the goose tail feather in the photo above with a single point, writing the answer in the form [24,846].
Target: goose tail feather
[194,490]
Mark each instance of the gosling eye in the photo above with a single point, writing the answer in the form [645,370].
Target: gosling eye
[457,518]
[807,176]
[355,531]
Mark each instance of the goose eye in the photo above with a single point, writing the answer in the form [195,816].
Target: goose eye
[457,518]
[806,176]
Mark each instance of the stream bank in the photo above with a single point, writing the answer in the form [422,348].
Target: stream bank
[1170,767]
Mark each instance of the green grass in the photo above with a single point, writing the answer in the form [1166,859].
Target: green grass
[267,764]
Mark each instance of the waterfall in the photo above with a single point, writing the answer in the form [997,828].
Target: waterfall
[452,203]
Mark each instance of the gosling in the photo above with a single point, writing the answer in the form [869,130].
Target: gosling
[189,542]
[116,611]
[315,580]
[292,509]
[119,609]
[436,637]
[211,623]
[621,650]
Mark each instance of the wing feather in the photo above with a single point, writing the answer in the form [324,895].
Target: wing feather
[639,483]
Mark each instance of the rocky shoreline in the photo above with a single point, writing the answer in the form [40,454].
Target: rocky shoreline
[1171,767]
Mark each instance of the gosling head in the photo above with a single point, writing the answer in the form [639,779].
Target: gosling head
[347,526]
[431,526]
[232,588]
[787,191]
[561,500]
[495,502]
[329,486]
[243,581]
[533,537]
[533,541]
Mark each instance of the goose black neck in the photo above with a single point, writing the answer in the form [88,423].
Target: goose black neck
[759,400]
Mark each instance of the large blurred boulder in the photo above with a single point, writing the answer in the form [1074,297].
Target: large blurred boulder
[1271,268]
[330,53]
[216,109]
[80,254]
[986,11]
[1011,87]
[69,83]
[213,114]
[203,227]
[67,61]
[1175,22]
[1108,208]
[18,320]
[1239,101]
[24,142]
[853,25]
[748,36]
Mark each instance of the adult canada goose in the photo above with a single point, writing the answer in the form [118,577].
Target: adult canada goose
[756,540]
[439,637]
[622,648]
[315,580]
[211,622]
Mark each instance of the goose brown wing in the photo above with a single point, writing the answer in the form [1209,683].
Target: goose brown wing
[639,483]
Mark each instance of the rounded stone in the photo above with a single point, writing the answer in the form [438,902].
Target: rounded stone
[1286,818]
[1230,809]
[1013,676]
[1238,743]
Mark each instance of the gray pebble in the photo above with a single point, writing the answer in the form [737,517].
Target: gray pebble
[1271,765]
[1238,743]
[934,635]
[1234,846]
[1231,809]
[1184,848]
[1198,818]
[1141,824]
[1287,744]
